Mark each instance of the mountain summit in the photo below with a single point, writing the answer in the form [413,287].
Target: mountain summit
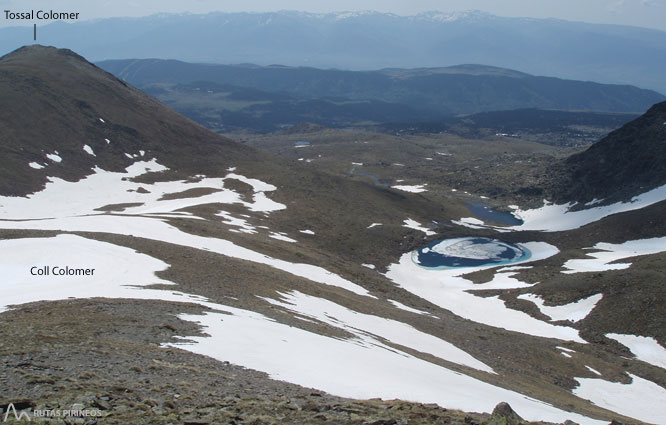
[55,102]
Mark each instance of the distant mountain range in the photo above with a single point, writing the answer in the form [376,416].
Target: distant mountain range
[372,40]
[265,98]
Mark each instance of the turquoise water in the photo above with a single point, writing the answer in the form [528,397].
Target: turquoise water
[469,252]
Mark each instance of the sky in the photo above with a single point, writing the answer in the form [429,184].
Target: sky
[643,13]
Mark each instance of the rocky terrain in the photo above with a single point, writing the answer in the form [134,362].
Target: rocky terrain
[254,281]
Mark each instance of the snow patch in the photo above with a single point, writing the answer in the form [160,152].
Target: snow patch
[368,327]
[281,237]
[449,290]
[374,225]
[401,306]
[612,252]
[46,210]
[54,157]
[413,189]
[552,218]
[89,150]
[573,312]
[644,348]
[352,368]
[642,399]
[307,232]
[230,220]
[369,266]
[413,224]
[36,166]
[596,372]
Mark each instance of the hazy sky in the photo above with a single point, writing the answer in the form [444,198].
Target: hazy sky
[644,13]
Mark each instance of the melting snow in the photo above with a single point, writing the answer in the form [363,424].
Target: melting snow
[352,368]
[113,265]
[644,348]
[596,372]
[281,237]
[46,210]
[573,312]
[413,189]
[612,252]
[447,289]
[89,150]
[642,399]
[553,218]
[401,306]
[245,227]
[413,224]
[368,327]
[54,157]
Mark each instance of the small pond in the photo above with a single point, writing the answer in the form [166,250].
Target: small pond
[468,252]
[484,212]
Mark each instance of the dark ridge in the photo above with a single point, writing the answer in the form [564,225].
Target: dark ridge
[53,99]
[627,162]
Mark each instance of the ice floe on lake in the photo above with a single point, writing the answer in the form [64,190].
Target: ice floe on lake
[468,252]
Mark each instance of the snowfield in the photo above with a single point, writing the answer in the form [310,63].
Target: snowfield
[601,261]
[642,399]
[447,289]
[361,367]
[644,348]
[374,362]
[573,312]
[553,218]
